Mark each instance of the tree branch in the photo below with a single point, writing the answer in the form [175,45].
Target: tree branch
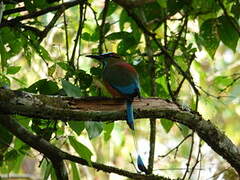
[37,143]
[133,3]
[51,23]
[39,13]
[105,109]
[142,26]
[57,156]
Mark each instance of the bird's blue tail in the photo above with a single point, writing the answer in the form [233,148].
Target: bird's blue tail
[130,117]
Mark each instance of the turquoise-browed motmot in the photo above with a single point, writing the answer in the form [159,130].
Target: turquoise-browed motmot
[121,80]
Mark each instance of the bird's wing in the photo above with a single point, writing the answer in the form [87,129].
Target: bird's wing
[122,77]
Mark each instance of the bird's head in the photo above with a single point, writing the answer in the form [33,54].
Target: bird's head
[107,58]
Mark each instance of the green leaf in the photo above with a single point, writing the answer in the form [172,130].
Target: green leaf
[29,5]
[53,174]
[167,124]
[4,81]
[118,35]
[174,6]
[86,36]
[236,10]
[112,6]
[51,70]
[3,53]
[5,140]
[11,155]
[201,6]
[126,44]
[44,53]
[44,86]
[41,4]
[107,128]
[70,89]
[124,18]
[75,171]
[13,160]
[13,69]
[162,81]
[95,35]
[64,66]
[82,150]
[85,79]
[47,171]
[208,36]
[222,81]
[162,3]
[94,129]
[77,126]
[228,35]
[184,129]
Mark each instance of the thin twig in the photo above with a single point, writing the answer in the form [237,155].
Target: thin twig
[163,49]
[152,71]
[38,13]
[218,174]
[197,160]
[57,156]
[189,157]
[79,31]
[51,23]
[234,24]
[102,27]
[66,34]
[82,19]
[176,147]
[167,65]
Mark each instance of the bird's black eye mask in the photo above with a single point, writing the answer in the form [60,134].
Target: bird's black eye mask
[110,54]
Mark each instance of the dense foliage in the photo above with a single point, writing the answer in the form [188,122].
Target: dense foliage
[185,51]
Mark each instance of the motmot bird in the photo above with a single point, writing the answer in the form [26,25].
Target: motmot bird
[121,80]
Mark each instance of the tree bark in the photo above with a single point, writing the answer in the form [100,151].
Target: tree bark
[105,109]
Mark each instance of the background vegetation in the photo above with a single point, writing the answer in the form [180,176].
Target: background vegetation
[185,51]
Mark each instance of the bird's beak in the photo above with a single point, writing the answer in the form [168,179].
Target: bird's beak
[98,57]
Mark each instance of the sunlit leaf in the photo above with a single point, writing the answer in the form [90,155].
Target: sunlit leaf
[82,150]
[44,86]
[112,6]
[184,129]
[222,81]
[70,89]
[107,128]
[77,126]
[118,35]
[94,129]
[75,171]
[208,36]
[48,170]
[64,66]
[167,124]
[162,3]
[51,70]
[13,69]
